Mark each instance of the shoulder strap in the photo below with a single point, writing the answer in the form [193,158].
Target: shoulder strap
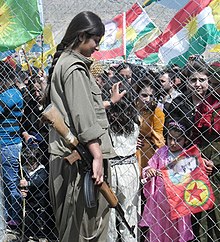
[77,65]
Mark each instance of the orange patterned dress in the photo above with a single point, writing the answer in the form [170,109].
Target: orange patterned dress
[151,133]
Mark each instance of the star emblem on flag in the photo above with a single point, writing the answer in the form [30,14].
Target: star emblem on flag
[192,26]
[196,193]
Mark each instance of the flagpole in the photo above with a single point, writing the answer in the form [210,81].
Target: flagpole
[27,62]
[40,8]
[24,201]
[42,52]
[124,36]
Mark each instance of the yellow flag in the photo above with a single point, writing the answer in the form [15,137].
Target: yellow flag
[39,51]
[35,45]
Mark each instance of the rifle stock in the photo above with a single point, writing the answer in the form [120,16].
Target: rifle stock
[52,116]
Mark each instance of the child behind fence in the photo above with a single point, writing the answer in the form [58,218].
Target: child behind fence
[34,188]
[124,130]
[156,214]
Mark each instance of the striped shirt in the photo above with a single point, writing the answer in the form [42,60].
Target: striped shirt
[11,105]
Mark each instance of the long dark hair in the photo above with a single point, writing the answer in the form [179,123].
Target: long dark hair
[121,66]
[149,80]
[123,115]
[85,23]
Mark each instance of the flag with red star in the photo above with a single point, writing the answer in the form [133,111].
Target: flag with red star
[187,185]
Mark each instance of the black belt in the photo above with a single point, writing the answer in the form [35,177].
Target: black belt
[122,157]
[123,160]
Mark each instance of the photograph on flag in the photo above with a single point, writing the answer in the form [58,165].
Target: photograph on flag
[183,165]
[187,185]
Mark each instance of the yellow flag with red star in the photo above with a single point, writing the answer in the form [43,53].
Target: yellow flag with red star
[187,185]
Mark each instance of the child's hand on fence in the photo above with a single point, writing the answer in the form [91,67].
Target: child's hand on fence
[116,95]
[151,172]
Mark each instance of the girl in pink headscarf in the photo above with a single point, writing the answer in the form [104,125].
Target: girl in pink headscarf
[156,214]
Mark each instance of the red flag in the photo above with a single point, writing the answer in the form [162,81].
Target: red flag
[187,185]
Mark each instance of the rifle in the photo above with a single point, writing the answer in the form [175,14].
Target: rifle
[52,116]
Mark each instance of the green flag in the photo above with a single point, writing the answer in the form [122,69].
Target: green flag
[20,21]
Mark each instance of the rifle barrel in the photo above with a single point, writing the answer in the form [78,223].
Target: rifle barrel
[120,211]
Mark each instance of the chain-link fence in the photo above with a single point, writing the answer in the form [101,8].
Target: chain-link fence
[165,129]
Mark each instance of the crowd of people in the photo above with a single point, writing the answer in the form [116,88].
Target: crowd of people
[134,120]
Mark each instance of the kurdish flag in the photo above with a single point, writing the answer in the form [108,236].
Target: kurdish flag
[127,33]
[187,186]
[190,31]
[20,21]
[140,29]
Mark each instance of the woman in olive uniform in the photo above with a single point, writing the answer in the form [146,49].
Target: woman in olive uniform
[75,93]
